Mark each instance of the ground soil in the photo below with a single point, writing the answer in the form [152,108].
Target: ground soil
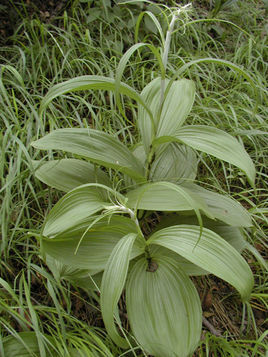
[12,12]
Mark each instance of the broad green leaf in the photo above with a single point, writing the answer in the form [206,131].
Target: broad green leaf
[151,96]
[164,309]
[183,264]
[95,145]
[215,60]
[74,208]
[82,278]
[93,250]
[112,285]
[176,163]
[116,223]
[88,83]
[233,235]
[23,344]
[222,207]
[211,252]
[140,154]
[219,144]
[92,254]
[177,105]
[67,174]
[164,196]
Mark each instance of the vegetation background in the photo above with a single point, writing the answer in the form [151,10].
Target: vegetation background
[44,43]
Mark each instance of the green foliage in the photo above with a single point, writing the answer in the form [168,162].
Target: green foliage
[88,228]
[42,53]
[26,344]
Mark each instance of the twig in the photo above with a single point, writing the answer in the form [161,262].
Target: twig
[211,328]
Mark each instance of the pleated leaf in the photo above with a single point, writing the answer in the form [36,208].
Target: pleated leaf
[219,144]
[164,196]
[115,223]
[211,252]
[93,250]
[83,278]
[151,95]
[163,308]
[176,107]
[139,153]
[67,174]
[176,163]
[92,254]
[223,207]
[74,208]
[95,145]
[112,285]
[183,264]
[233,235]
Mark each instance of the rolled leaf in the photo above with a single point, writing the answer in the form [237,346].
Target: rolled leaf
[112,285]
[95,145]
[211,252]
[163,307]
[177,105]
[67,174]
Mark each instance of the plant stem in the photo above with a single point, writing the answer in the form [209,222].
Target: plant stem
[132,215]
[167,46]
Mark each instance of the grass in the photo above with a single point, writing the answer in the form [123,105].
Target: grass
[43,54]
